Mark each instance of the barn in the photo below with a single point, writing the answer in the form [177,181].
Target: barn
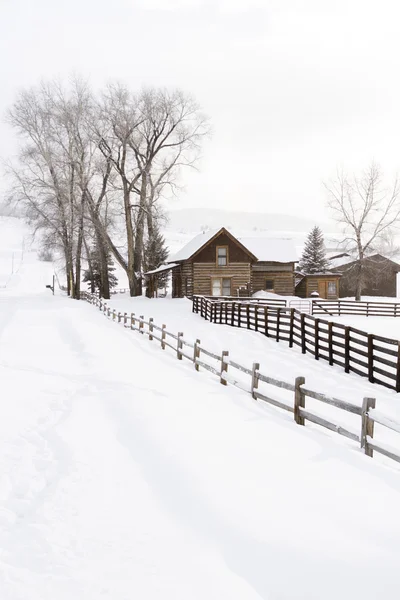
[379,276]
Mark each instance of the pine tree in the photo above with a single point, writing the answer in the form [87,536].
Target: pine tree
[93,274]
[313,259]
[155,255]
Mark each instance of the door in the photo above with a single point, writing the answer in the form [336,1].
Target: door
[322,291]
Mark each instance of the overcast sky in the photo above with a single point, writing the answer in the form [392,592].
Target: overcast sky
[294,88]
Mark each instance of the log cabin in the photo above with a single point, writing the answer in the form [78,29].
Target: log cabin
[219,264]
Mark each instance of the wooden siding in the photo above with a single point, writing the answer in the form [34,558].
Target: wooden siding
[209,253]
[318,283]
[282,275]
[239,273]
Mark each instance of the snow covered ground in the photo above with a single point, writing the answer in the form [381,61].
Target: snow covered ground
[276,359]
[126,474]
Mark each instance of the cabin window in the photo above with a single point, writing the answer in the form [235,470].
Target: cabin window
[270,285]
[331,287]
[222,256]
[221,287]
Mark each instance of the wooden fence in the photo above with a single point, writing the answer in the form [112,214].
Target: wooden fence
[228,372]
[356,351]
[351,307]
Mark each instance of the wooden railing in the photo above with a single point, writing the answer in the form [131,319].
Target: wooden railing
[351,307]
[251,299]
[356,351]
[258,384]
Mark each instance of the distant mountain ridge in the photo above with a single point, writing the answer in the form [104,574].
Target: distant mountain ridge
[194,220]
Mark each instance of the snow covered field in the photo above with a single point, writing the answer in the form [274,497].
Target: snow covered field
[126,474]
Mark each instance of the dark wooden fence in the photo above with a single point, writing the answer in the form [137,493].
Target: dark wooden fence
[351,307]
[259,384]
[366,354]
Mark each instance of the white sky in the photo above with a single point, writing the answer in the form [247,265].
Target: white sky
[294,87]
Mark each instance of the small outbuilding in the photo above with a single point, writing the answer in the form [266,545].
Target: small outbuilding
[326,285]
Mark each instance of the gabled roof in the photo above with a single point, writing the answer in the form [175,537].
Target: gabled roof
[271,249]
[373,258]
[200,241]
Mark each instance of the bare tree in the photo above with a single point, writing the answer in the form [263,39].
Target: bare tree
[83,161]
[367,210]
[149,138]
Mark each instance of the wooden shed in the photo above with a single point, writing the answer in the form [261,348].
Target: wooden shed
[325,284]
[219,264]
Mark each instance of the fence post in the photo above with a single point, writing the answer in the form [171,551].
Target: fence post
[179,345]
[119,317]
[163,336]
[266,321]
[347,350]
[125,319]
[291,327]
[248,316]
[299,400]
[371,359]
[254,379]
[151,328]
[256,317]
[113,314]
[132,320]
[104,307]
[239,306]
[220,312]
[367,425]
[316,340]
[278,322]
[224,366]
[330,342]
[398,369]
[303,333]
[196,353]
[141,324]
[108,311]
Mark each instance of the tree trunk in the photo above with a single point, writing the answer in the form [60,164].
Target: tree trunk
[138,251]
[78,256]
[130,241]
[359,275]
[103,265]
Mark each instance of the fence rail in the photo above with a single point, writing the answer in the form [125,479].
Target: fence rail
[338,308]
[356,351]
[225,369]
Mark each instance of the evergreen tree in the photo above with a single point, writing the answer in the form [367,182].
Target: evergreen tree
[93,275]
[155,255]
[313,259]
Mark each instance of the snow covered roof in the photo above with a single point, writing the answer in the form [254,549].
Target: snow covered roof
[265,249]
[271,249]
[162,268]
[195,244]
